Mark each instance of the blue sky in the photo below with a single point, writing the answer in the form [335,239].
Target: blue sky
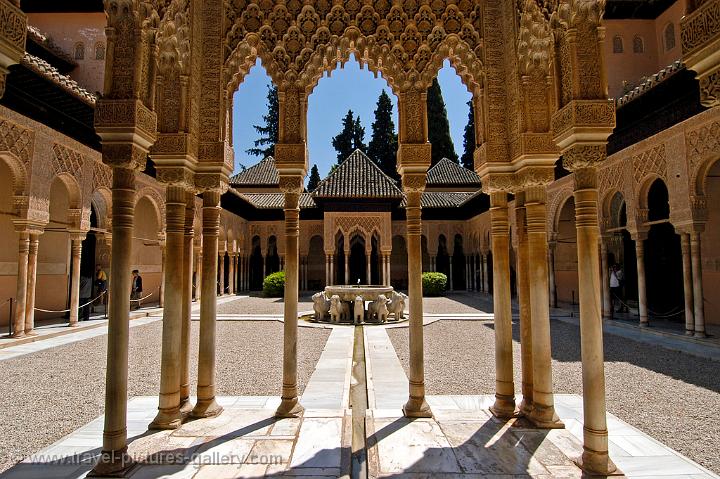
[347,88]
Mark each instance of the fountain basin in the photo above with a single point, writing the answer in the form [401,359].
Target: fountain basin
[348,292]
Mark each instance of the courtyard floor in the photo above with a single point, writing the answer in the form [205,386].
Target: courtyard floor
[668,395]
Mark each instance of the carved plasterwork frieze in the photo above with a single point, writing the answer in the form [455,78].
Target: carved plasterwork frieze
[652,161]
[591,119]
[414,156]
[129,118]
[702,146]
[13,30]
[17,140]
[700,39]
[66,160]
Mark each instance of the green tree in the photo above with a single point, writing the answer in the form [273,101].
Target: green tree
[359,136]
[467,159]
[382,148]
[438,126]
[265,145]
[314,179]
[351,137]
[343,142]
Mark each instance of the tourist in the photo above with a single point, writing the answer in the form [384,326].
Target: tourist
[616,292]
[136,289]
[101,284]
[85,294]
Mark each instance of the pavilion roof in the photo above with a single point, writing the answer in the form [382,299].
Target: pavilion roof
[263,173]
[357,177]
[447,172]
[273,201]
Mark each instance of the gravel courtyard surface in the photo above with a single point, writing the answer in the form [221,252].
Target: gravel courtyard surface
[458,303]
[48,394]
[256,304]
[671,396]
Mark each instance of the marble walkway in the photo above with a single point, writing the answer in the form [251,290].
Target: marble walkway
[461,440]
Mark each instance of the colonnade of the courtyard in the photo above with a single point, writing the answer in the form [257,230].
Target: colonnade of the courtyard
[560,73]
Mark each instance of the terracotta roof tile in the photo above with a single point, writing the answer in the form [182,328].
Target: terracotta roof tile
[45,42]
[260,174]
[271,201]
[447,172]
[357,177]
[442,199]
[49,72]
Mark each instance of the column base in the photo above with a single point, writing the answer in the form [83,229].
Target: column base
[699,334]
[645,324]
[206,408]
[186,407]
[30,332]
[689,332]
[504,407]
[597,464]
[525,408]
[73,325]
[289,407]
[17,335]
[545,417]
[166,419]
[417,407]
[113,464]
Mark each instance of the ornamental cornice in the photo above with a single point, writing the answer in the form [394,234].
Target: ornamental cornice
[414,157]
[583,120]
[125,121]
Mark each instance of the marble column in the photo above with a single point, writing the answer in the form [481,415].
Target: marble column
[595,455]
[504,406]
[432,263]
[114,457]
[75,252]
[416,405]
[332,269]
[347,267]
[687,284]
[290,405]
[231,277]
[642,292]
[199,276]
[526,347]
[482,272]
[696,259]
[221,268]
[368,275]
[451,287]
[187,270]
[168,416]
[327,269]
[605,276]
[543,414]
[486,278]
[31,281]
[163,256]
[22,281]
[206,405]
[551,273]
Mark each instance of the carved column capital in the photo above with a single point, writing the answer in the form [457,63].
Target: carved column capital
[216,182]
[179,176]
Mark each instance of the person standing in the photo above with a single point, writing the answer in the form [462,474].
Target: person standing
[616,293]
[101,284]
[136,288]
[85,294]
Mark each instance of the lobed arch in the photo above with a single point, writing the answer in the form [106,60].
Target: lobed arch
[559,204]
[606,207]
[101,200]
[75,197]
[699,180]
[19,178]
[643,190]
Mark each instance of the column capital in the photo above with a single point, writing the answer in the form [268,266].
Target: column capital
[213,182]
[179,176]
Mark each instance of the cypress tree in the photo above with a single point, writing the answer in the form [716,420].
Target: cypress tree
[359,136]
[438,126]
[343,142]
[265,145]
[314,178]
[467,159]
[382,148]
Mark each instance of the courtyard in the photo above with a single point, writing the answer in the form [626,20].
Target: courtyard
[668,395]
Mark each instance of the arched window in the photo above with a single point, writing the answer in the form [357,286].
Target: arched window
[617,44]
[79,51]
[669,36]
[100,51]
[638,44]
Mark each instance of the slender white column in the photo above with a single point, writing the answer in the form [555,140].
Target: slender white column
[31,281]
[21,295]
[696,254]
[221,267]
[551,274]
[368,276]
[76,251]
[642,292]
[347,267]
[604,271]
[687,284]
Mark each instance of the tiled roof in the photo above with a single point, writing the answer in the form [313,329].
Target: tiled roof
[49,72]
[442,199]
[357,177]
[447,172]
[271,201]
[261,174]
[650,82]
[44,41]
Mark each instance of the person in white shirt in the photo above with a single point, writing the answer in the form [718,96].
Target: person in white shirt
[616,287]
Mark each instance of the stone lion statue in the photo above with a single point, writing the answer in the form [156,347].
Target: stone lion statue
[321,305]
[396,305]
[339,310]
[358,310]
[378,309]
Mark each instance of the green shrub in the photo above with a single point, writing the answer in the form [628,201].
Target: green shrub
[434,284]
[274,285]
